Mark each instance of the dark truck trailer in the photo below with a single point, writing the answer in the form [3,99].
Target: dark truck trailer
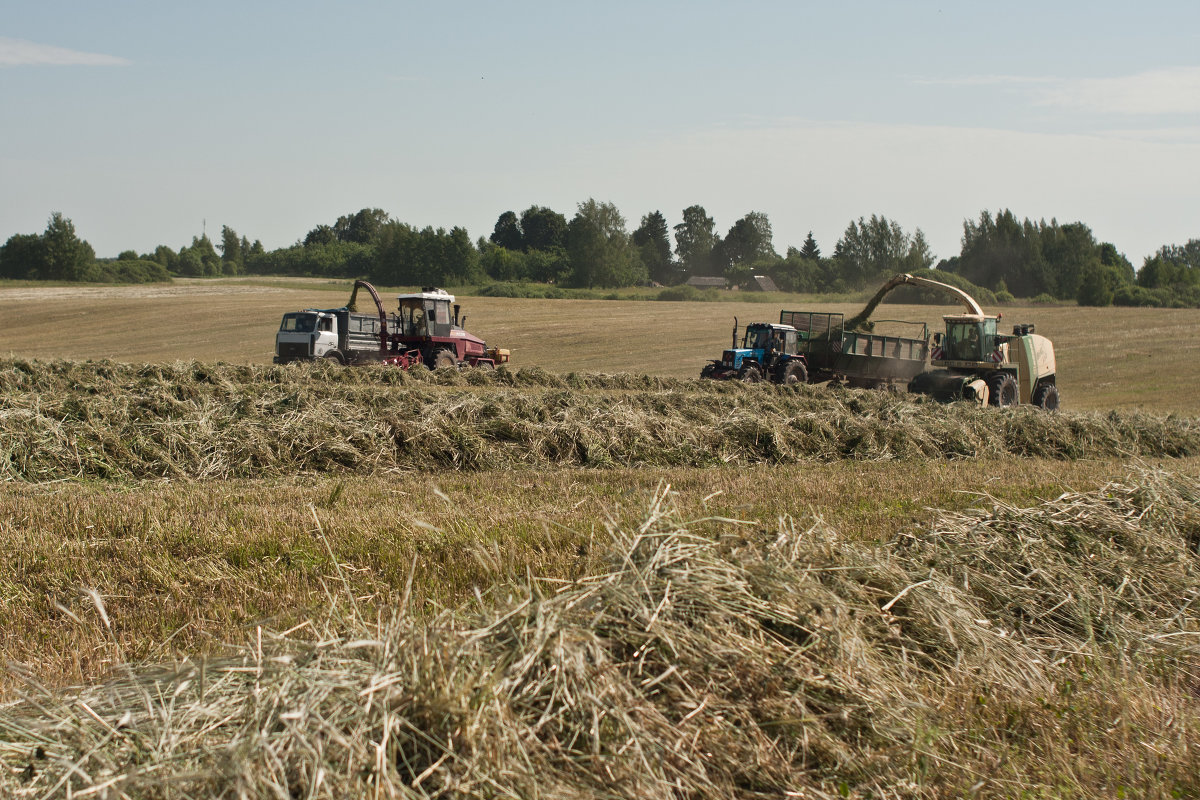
[862,359]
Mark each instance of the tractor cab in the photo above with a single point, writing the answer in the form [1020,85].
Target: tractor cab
[765,338]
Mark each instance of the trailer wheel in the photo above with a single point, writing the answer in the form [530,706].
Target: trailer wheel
[444,358]
[1046,397]
[795,372]
[1002,389]
[750,374]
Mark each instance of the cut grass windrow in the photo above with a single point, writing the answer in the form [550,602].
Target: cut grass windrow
[64,420]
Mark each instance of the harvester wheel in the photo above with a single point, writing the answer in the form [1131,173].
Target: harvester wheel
[1002,389]
[750,374]
[793,373]
[1046,397]
[444,358]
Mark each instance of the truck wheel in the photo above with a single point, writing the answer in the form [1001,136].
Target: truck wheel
[444,358]
[336,357]
[1046,397]
[1002,389]
[794,373]
[750,374]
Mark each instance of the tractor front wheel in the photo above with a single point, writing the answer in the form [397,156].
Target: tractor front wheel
[444,358]
[750,374]
[1002,389]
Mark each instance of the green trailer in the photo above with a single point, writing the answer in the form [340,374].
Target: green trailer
[861,359]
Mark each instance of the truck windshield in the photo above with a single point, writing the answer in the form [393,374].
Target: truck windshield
[299,323]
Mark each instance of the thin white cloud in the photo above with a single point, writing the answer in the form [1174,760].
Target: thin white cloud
[1165,91]
[20,53]
[985,80]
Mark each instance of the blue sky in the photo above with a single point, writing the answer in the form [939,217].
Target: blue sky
[144,121]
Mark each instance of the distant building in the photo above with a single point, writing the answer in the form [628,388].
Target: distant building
[762,283]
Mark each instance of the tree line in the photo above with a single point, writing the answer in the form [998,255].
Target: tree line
[1006,257]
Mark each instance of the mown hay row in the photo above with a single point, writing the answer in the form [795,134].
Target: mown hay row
[102,420]
[710,659]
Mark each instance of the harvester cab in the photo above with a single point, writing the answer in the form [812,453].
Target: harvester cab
[967,338]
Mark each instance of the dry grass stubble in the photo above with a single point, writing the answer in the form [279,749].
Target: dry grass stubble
[709,658]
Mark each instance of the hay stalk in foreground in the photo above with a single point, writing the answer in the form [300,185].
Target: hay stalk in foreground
[711,659]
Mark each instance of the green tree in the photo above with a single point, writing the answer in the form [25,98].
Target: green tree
[1001,248]
[507,232]
[920,256]
[23,256]
[695,239]
[200,259]
[167,257]
[232,258]
[502,264]
[809,249]
[67,257]
[653,243]
[749,240]
[870,249]
[461,259]
[600,249]
[322,234]
[542,228]
[362,227]
[1094,287]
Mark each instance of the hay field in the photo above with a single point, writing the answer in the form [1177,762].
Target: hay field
[242,580]
[1114,358]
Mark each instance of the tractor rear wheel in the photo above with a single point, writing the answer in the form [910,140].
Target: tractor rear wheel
[1002,389]
[795,372]
[1046,397]
[750,374]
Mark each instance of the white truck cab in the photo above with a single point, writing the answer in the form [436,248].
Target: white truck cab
[310,333]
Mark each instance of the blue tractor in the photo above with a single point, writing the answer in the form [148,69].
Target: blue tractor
[768,352]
